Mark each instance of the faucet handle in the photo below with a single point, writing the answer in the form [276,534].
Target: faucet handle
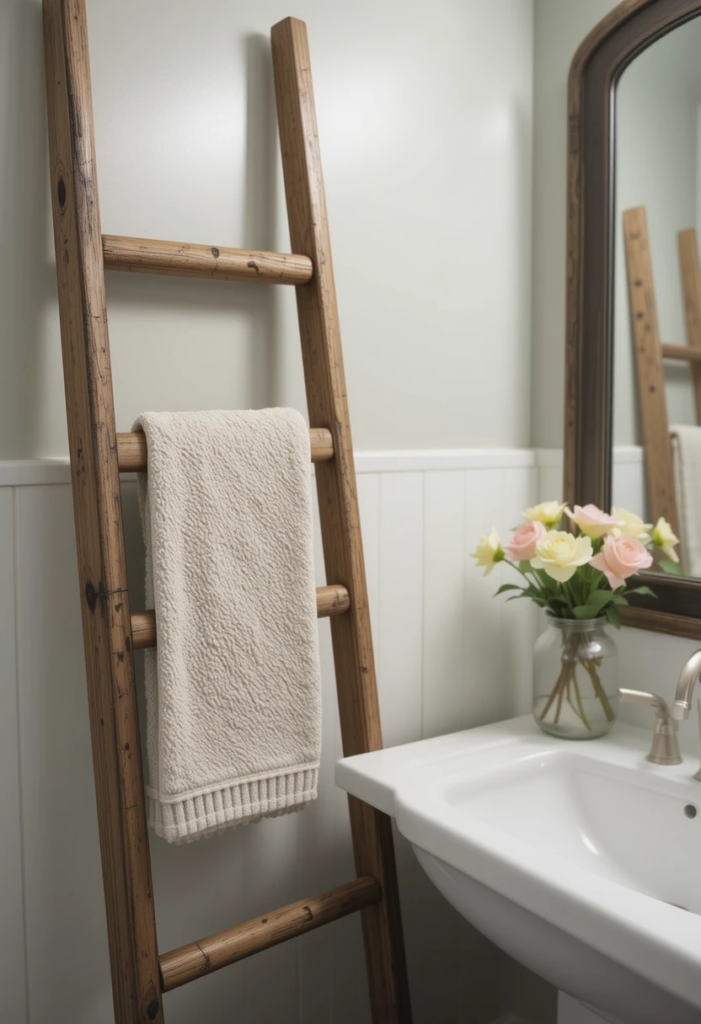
[665,744]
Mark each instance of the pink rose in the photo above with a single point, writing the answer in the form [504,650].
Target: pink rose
[592,521]
[521,546]
[620,558]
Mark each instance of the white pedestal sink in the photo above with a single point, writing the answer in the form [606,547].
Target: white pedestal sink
[581,860]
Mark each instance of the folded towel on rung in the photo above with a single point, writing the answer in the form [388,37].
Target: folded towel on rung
[233,696]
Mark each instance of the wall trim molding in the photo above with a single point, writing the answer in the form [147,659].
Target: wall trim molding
[436,459]
[27,472]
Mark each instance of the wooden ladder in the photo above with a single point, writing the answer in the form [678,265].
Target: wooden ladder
[98,455]
[651,351]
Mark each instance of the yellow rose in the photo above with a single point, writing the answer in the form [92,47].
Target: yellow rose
[630,525]
[548,512]
[489,551]
[663,536]
[560,554]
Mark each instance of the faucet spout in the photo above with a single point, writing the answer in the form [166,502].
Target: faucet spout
[689,675]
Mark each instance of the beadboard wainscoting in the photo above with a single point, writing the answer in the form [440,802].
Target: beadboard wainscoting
[448,657]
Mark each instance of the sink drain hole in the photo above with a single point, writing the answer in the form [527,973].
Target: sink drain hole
[690,811]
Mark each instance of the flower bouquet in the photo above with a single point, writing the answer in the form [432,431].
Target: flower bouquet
[581,578]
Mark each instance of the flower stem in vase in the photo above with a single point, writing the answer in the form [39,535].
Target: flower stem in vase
[590,666]
[555,691]
[578,694]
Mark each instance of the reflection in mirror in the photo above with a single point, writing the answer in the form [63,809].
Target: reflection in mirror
[657,295]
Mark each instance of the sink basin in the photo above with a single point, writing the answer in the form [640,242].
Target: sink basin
[581,860]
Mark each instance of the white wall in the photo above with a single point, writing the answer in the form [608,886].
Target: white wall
[425,125]
[560,26]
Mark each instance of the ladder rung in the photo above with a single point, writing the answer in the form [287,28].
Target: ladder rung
[692,355]
[217,951]
[333,600]
[132,454]
[182,259]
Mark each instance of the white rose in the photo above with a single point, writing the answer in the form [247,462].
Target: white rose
[663,536]
[548,512]
[630,525]
[489,551]
[560,553]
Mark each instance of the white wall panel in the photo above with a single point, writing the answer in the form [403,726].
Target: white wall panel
[13,1004]
[444,601]
[400,612]
[67,962]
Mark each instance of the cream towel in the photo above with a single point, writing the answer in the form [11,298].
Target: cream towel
[686,445]
[233,692]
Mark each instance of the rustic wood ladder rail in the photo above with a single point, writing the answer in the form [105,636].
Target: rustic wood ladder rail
[98,454]
[650,353]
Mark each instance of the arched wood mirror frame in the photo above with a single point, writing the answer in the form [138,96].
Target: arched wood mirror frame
[599,62]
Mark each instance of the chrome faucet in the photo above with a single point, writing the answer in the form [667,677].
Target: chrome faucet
[689,674]
[685,688]
[665,744]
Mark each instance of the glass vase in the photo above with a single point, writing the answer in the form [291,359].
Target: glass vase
[575,679]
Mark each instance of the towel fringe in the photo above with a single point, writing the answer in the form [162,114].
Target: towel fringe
[242,803]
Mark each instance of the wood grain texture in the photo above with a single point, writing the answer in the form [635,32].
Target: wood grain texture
[662,622]
[329,601]
[132,449]
[685,353]
[98,518]
[227,947]
[657,445]
[691,289]
[595,69]
[182,259]
[338,504]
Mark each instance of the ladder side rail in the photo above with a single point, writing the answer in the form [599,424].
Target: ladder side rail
[98,519]
[338,507]
[659,468]
[688,248]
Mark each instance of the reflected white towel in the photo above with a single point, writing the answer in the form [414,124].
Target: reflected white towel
[233,687]
[686,446]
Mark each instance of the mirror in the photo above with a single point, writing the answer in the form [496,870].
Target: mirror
[657,291]
[634,97]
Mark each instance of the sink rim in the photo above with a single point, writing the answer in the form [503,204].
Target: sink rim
[641,932]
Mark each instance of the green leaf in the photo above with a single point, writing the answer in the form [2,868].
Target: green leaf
[598,599]
[614,616]
[671,567]
[506,586]
[584,611]
[642,590]
[621,601]
[524,566]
